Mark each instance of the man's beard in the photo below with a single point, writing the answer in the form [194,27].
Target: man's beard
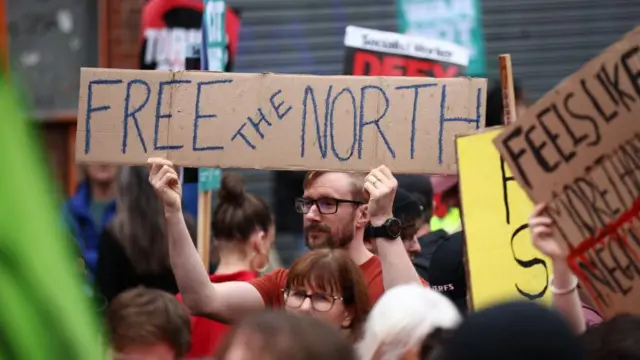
[324,238]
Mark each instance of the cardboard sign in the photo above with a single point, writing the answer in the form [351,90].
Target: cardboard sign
[579,148]
[503,264]
[374,52]
[268,121]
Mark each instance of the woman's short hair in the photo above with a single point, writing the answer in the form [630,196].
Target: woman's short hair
[401,320]
[276,335]
[332,271]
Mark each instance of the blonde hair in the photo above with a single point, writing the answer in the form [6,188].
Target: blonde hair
[357,182]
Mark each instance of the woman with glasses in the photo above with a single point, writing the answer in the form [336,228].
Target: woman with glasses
[328,285]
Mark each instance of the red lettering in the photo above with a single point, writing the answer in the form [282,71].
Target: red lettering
[365,63]
[393,66]
[372,64]
[440,71]
[419,67]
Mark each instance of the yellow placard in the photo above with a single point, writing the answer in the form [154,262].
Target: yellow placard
[503,264]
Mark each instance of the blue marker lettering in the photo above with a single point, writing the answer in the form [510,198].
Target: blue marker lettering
[256,125]
[198,116]
[133,113]
[243,136]
[90,109]
[321,139]
[375,122]
[277,107]
[160,115]
[331,123]
[414,111]
[444,119]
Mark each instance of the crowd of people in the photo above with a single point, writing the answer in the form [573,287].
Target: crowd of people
[377,282]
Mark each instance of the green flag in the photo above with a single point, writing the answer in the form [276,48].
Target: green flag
[44,313]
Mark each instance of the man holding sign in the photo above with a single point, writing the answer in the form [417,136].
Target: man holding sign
[336,211]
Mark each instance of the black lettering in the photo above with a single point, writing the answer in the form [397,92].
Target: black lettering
[631,231]
[634,76]
[527,264]
[536,149]
[595,276]
[610,270]
[629,166]
[630,269]
[573,197]
[555,212]
[582,117]
[591,193]
[612,86]
[551,135]
[602,162]
[594,101]
[505,193]
[516,155]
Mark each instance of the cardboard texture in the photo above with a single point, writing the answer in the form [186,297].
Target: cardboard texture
[578,148]
[268,121]
[503,264]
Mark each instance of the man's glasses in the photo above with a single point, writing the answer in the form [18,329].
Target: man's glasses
[319,302]
[324,205]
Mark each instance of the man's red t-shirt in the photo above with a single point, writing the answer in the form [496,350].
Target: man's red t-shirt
[270,286]
[206,334]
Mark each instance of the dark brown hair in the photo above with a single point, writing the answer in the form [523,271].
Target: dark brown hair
[332,271]
[238,214]
[615,339]
[139,224]
[276,335]
[357,182]
[148,316]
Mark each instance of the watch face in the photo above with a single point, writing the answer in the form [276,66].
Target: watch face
[394,227]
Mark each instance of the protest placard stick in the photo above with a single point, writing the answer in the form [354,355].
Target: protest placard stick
[204,226]
[506,82]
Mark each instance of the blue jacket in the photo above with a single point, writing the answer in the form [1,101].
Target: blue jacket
[86,233]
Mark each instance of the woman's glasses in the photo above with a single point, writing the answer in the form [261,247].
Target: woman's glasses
[319,302]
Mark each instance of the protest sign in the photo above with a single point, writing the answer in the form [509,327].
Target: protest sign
[579,149]
[269,121]
[503,264]
[458,21]
[374,52]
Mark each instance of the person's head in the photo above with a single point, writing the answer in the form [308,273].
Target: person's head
[419,186]
[101,174]
[276,335]
[616,339]
[327,284]
[522,330]
[334,208]
[447,271]
[410,212]
[402,318]
[242,222]
[139,223]
[148,324]
[495,107]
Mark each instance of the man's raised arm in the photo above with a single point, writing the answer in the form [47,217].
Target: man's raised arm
[397,268]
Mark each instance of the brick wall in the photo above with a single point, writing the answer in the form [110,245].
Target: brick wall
[122,33]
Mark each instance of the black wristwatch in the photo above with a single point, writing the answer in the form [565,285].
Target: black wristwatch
[391,229]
